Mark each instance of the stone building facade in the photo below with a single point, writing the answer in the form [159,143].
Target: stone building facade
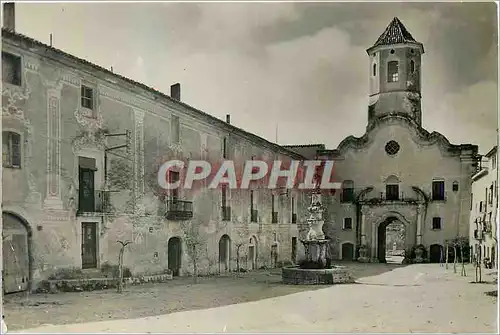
[397,172]
[484,209]
[81,149]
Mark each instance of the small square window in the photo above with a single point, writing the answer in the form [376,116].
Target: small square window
[87,97]
[455,186]
[436,223]
[347,224]
[11,69]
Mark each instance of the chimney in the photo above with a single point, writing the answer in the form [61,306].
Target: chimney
[9,16]
[175,91]
[228,118]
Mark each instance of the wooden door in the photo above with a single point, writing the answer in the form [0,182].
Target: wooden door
[86,190]
[89,245]
[348,251]
[15,260]
[174,255]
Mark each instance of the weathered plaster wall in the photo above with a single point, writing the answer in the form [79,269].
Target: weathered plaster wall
[46,111]
[416,164]
[484,215]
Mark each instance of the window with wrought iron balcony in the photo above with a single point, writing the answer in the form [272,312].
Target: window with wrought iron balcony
[178,210]
[90,200]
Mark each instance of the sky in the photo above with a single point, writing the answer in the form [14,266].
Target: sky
[298,70]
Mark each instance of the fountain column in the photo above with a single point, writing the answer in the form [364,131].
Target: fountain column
[363,250]
[419,224]
[363,226]
[315,243]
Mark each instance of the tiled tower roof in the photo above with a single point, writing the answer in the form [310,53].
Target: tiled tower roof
[395,33]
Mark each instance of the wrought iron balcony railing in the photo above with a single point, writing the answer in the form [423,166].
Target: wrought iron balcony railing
[178,210]
[93,202]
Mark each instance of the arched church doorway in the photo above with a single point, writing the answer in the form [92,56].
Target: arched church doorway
[16,248]
[224,253]
[174,250]
[436,253]
[391,240]
[252,253]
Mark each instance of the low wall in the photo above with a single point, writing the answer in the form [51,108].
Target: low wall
[298,276]
[93,284]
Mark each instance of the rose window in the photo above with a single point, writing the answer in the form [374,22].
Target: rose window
[392,148]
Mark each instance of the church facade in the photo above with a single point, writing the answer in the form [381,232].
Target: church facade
[397,172]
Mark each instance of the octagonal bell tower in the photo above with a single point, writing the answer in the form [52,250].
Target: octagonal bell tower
[395,75]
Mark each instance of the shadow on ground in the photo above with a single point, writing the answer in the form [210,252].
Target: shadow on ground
[180,294]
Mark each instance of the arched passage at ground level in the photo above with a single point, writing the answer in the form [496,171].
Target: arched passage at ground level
[389,219]
[17,253]
[174,249]
[224,253]
[252,253]
[347,251]
[436,253]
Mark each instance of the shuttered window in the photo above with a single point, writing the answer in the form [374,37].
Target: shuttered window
[11,151]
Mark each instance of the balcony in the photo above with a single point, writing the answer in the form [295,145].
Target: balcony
[294,217]
[226,213]
[254,215]
[391,196]
[274,217]
[478,234]
[179,210]
[93,202]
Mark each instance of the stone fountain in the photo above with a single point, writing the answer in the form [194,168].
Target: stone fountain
[315,268]
[315,245]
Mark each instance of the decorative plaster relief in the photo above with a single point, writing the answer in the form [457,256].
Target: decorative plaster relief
[139,150]
[204,148]
[31,65]
[53,196]
[11,96]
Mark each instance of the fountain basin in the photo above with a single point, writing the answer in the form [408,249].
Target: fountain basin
[295,275]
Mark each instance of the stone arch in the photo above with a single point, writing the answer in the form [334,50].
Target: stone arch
[382,222]
[347,250]
[253,252]
[392,179]
[224,253]
[17,244]
[174,255]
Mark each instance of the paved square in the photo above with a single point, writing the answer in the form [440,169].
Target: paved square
[415,298]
